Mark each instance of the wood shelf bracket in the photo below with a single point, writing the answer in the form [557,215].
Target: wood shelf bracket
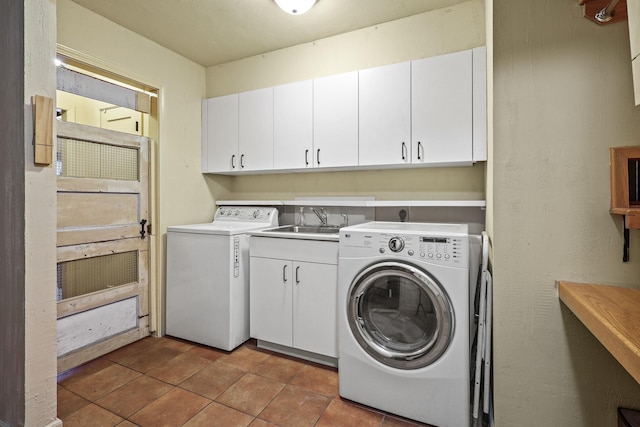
[625,249]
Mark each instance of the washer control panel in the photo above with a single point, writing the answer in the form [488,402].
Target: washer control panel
[246,214]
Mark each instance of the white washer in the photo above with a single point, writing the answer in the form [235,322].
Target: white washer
[404,319]
[208,276]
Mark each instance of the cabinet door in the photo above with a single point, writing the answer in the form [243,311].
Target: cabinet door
[385,115]
[479,103]
[441,109]
[220,134]
[293,126]
[335,120]
[314,308]
[256,130]
[270,308]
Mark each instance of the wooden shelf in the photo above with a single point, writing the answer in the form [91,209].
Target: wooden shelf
[612,314]
[592,7]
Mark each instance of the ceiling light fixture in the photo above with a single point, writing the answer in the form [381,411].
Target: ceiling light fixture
[295,7]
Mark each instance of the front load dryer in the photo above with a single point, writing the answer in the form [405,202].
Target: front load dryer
[404,321]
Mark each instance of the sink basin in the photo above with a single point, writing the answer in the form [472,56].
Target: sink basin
[309,229]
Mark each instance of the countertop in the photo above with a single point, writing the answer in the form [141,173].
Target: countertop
[612,314]
[357,203]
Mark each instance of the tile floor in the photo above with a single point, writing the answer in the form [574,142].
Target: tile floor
[169,382]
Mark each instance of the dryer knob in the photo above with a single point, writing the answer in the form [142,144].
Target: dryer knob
[396,244]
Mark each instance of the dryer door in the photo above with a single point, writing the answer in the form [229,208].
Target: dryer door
[400,315]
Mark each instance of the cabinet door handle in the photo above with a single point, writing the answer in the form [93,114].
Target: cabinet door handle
[318,157]
[242,161]
[419,150]
[297,275]
[233,161]
[284,273]
[404,151]
[306,157]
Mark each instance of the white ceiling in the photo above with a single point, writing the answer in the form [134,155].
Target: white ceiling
[211,32]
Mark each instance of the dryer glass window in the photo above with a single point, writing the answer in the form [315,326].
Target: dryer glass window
[400,315]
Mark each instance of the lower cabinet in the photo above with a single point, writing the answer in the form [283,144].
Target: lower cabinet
[293,297]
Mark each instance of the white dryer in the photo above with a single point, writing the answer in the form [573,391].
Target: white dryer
[208,276]
[404,319]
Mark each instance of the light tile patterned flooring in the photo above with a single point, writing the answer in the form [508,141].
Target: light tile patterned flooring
[169,382]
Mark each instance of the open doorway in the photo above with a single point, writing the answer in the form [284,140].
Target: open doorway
[107,131]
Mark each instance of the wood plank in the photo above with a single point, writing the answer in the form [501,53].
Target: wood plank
[103,136]
[96,234]
[70,253]
[93,185]
[82,356]
[91,87]
[96,209]
[611,314]
[43,129]
[98,324]
[93,300]
[143,283]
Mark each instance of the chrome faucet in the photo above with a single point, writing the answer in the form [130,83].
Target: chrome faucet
[322,216]
[346,220]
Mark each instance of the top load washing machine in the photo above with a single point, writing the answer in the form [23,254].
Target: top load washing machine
[208,276]
[404,319]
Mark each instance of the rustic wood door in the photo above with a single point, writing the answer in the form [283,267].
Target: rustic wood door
[102,244]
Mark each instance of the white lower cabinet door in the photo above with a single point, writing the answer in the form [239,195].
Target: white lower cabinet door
[314,308]
[271,300]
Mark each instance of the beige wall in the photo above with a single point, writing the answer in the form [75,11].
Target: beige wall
[562,96]
[183,194]
[40,226]
[450,29]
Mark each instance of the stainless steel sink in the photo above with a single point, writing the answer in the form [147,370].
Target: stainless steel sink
[309,229]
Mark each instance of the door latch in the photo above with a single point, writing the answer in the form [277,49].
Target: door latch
[142,230]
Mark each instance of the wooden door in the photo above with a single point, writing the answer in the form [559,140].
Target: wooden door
[102,244]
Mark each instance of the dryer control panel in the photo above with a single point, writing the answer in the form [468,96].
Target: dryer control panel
[434,247]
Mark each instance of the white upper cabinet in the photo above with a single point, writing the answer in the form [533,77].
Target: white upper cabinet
[633,13]
[220,134]
[385,115]
[430,112]
[293,125]
[479,104]
[335,120]
[441,109]
[255,135]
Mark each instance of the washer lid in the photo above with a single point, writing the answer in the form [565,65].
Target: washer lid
[230,220]
[220,228]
